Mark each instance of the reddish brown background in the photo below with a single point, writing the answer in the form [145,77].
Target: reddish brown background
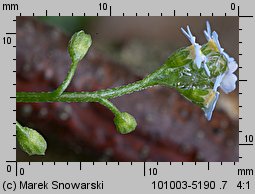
[169,127]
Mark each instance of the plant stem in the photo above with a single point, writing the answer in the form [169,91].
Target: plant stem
[67,80]
[83,96]
[109,105]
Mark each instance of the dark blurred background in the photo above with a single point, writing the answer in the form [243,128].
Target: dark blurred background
[124,50]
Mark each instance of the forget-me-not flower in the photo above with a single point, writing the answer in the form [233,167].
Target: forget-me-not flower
[200,59]
[226,81]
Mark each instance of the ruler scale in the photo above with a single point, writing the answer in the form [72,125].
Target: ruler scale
[126,177]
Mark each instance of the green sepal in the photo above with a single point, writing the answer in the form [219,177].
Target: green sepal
[216,62]
[179,58]
[197,96]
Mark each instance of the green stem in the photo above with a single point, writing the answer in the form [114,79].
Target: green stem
[83,96]
[109,105]
[122,90]
[67,80]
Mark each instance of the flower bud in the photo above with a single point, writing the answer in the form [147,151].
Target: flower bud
[125,123]
[79,45]
[31,141]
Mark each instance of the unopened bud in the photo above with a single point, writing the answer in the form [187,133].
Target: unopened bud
[125,123]
[31,141]
[79,45]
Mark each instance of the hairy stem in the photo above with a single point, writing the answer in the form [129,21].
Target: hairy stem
[67,80]
[83,96]
[109,105]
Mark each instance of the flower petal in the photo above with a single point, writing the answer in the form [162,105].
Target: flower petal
[232,66]
[228,83]
[217,42]
[208,27]
[218,82]
[207,32]
[189,35]
[208,111]
[199,56]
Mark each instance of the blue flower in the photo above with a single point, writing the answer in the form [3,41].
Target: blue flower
[227,80]
[218,66]
[218,81]
[207,32]
[199,57]
[228,83]
[210,107]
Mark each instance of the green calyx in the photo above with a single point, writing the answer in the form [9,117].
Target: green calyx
[180,72]
[216,62]
[30,140]
[200,97]
[124,122]
[179,58]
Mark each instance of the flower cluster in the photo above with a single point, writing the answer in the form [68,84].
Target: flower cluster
[226,80]
[197,71]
